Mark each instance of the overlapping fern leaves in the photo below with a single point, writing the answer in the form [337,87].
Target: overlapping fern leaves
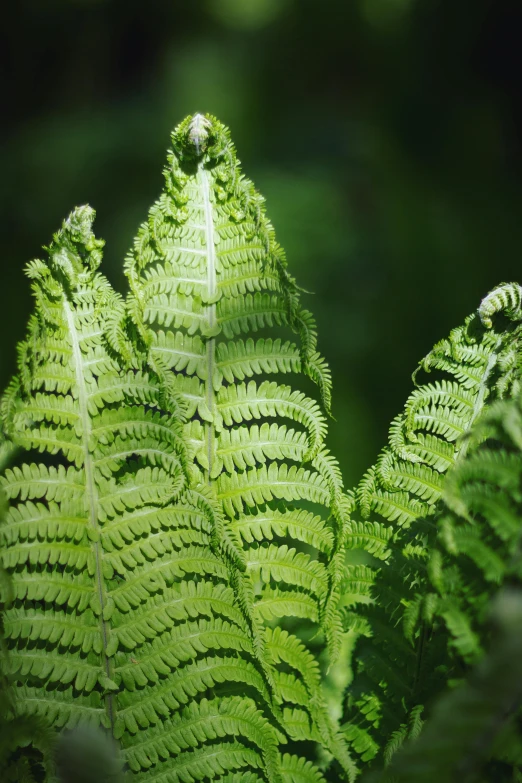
[17,731]
[177,530]
[213,300]
[477,719]
[399,660]
[474,550]
[124,610]
[144,602]
[479,530]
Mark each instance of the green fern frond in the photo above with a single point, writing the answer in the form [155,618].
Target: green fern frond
[129,611]
[478,545]
[114,464]
[469,723]
[398,499]
[506,297]
[212,298]
[17,730]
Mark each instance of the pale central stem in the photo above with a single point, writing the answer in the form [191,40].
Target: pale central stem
[90,485]
[204,177]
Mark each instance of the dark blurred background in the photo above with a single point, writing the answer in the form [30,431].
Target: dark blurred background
[386,136]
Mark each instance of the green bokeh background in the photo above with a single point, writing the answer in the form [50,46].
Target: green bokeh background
[386,136]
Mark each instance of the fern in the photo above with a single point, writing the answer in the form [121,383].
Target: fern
[94,511]
[400,657]
[475,719]
[136,606]
[17,731]
[176,537]
[213,300]
[479,535]
[115,586]
[475,731]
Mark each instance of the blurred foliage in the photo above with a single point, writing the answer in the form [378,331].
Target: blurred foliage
[478,715]
[247,15]
[87,755]
[385,134]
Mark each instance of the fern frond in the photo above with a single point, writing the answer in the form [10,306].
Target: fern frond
[469,722]
[506,297]
[401,494]
[129,609]
[479,531]
[212,298]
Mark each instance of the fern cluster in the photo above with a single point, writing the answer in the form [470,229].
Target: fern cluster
[179,548]
[414,638]
[146,584]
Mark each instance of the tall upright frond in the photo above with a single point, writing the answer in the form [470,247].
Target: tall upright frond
[398,656]
[212,298]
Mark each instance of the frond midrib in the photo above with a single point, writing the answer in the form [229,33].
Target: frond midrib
[91,492]
[203,175]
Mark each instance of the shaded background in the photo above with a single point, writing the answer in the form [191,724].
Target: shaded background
[386,136]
